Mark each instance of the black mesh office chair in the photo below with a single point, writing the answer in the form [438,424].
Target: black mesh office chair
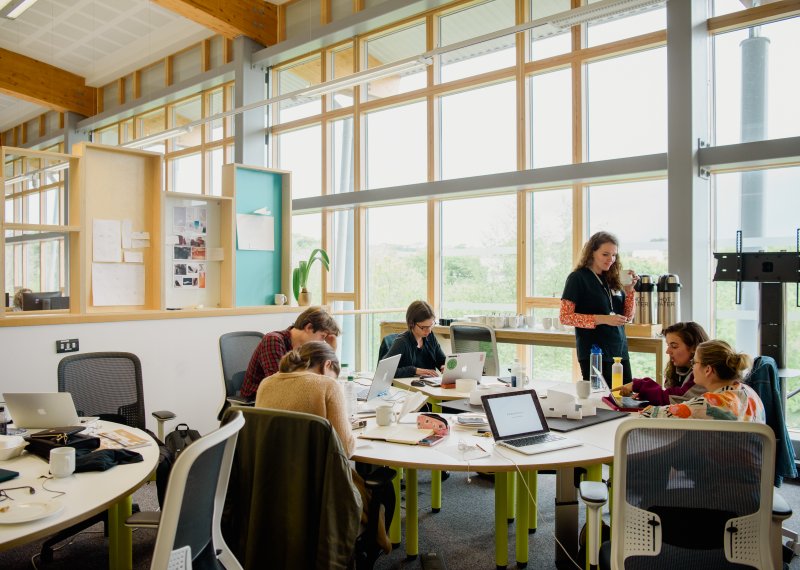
[189,527]
[235,350]
[472,337]
[108,385]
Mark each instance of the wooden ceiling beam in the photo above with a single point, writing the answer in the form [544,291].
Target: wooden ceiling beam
[255,19]
[32,80]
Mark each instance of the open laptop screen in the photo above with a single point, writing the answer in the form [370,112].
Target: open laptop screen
[514,415]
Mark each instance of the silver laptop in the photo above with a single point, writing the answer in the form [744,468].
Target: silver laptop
[42,410]
[517,422]
[381,380]
[463,365]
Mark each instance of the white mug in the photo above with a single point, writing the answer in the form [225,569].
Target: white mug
[466,384]
[62,461]
[383,414]
[626,278]
[583,388]
[547,323]
[280,299]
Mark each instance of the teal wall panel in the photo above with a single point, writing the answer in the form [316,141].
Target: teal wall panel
[258,273]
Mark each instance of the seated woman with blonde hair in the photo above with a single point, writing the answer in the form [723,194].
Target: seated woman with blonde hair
[718,369]
[306,382]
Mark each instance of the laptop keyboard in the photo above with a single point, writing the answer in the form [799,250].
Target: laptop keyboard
[534,439]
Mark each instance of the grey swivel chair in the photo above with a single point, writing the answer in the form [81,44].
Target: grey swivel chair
[108,385]
[235,350]
[473,337]
[189,527]
[690,494]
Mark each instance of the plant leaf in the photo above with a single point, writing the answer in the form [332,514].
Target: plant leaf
[296,283]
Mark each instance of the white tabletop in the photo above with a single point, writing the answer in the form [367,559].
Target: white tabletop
[86,494]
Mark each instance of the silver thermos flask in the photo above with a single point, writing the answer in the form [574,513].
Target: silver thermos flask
[646,301]
[669,300]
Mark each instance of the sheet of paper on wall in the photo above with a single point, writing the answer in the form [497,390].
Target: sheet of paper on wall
[215,254]
[138,243]
[140,235]
[106,240]
[127,229]
[133,256]
[171,240]
[116,284]
[255,232]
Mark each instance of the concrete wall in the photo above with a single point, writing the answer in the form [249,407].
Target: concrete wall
[181,367]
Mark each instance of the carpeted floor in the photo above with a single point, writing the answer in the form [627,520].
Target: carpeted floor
[462,534]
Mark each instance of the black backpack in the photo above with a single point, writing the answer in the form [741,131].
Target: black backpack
[180,438]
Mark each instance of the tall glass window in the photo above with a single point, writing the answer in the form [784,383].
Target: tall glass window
[396,152]
[550,248]
[755,91]
[342,155]
[470,22]
[627,105]
[299,152]
[479,256]
[341,252]
[306,237]
[545,40]
[297,76]
[471,147]
[389,47]
[551,118]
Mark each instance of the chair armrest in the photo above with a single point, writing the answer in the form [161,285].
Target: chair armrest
[593,492]
[240,401]
[144,519]
[780,508]
[163,415]
[380,477]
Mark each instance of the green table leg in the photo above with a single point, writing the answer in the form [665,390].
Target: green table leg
[501,519]
[394,528]
[511,498]
[533,508]
[412,519]
[522,513]
[436,491]
[120,537]
[436,476]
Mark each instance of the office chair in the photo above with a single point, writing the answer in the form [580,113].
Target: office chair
[108,385]
[472,337]
[386,344]
[688,494]
[235,351]
[291,497]
[189,526]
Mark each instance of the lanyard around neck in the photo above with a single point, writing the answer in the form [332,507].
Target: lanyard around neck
[606,290]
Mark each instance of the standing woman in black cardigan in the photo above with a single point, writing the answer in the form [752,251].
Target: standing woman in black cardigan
[420,353]
[598,305]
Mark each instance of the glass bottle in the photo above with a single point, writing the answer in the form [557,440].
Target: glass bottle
[616,372]
[596,369]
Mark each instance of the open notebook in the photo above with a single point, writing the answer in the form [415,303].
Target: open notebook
[398,433]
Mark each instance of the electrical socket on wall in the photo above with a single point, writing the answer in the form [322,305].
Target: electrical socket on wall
[68,345]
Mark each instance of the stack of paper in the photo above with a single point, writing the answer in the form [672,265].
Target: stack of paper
[121,439]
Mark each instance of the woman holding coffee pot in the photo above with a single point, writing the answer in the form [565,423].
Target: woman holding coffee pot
[598,300]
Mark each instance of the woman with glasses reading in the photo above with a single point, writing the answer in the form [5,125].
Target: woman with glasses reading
[420,353]
[718,369]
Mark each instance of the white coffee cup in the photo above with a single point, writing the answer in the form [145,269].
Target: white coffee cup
[475,395]
[547,323]
[583,388]
[280,299]
[383,414]
[626,278]
[62,461]
[530,321]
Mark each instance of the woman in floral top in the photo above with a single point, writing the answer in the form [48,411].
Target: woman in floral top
[717,368]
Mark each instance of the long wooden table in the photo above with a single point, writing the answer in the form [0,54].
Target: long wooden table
[537,337]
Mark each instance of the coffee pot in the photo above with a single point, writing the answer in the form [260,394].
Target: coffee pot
[669,300]
[646,301]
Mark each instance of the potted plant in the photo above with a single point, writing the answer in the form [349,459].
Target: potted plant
[300,275]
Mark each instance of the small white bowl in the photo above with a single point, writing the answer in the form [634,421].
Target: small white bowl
[11,452]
